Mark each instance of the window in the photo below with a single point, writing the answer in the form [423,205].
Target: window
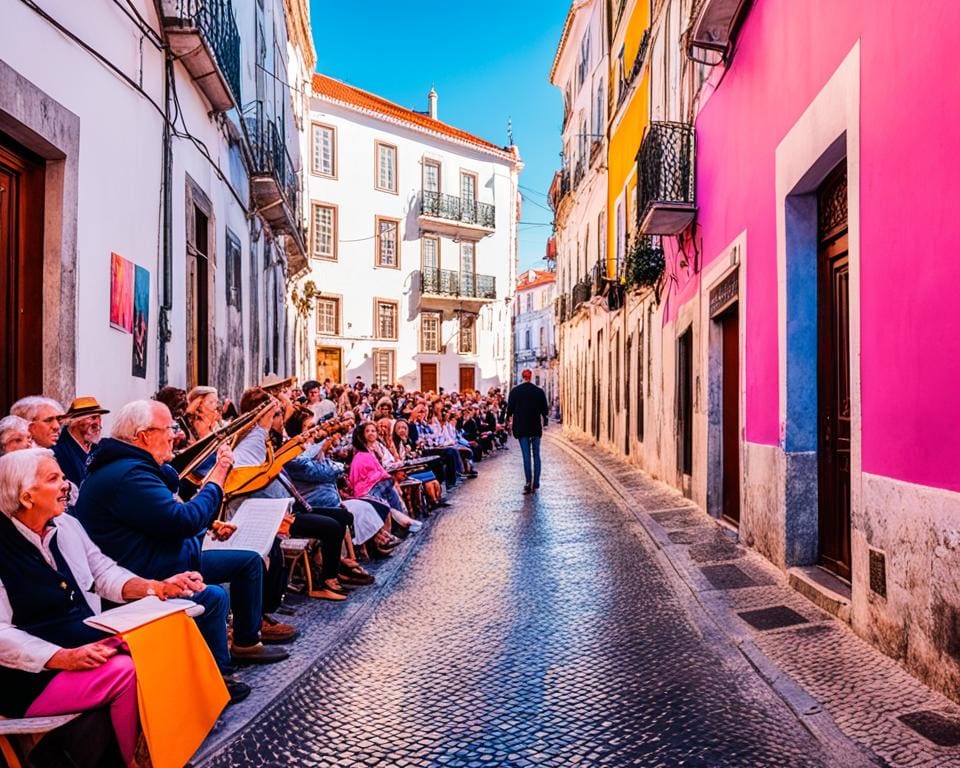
[468,345]
[383,366]
[621,226]
[468,190]
[543,339]
[599,118]
[526,339]
[430,332]
[529,302]
[429,253]
[387,243]
[386,180]
[468,267]
[328,316]
[387,312]
[234,258]
[324,150]
[324,232]
[431,176]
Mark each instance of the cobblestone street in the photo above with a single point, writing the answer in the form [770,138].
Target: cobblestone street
[534,631]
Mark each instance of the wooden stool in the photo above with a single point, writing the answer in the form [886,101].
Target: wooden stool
[412,491]
[296,553]
[30,730]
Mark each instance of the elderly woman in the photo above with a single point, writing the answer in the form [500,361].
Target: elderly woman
[51,579]
[203,413]
[14,434]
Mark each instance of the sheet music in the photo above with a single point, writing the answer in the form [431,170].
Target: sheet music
[257,521]
[137,613]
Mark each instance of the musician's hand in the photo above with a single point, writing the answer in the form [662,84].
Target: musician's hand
[185,584]
[88,656]
[222,531]
[224,457]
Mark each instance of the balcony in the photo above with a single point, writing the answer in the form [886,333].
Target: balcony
[456,215]
[203,36]
[275,187]
[628,77]
[665,173]
[596,151]
[559,189]
[581,293]
[578,174]
[447,289]
[713,29]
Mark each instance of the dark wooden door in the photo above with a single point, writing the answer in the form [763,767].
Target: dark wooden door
[468,378]
[834,375]
[685,402]
[21,274]
[428,377]
[730,406]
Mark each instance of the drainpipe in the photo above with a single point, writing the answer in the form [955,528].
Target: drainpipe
[166,294]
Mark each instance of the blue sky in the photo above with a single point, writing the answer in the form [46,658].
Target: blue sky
[489,61]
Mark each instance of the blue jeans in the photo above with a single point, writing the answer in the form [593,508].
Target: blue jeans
[243,570]
[528,445]
[213,623]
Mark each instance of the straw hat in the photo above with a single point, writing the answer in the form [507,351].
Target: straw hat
[84,406]
[272,381]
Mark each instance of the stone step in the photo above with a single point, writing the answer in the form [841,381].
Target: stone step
[823,589]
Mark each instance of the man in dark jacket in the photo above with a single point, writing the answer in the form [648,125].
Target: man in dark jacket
[128,507]
[527,410]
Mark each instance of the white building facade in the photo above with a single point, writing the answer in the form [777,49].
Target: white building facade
[534,324]
[187,168]
[413,247]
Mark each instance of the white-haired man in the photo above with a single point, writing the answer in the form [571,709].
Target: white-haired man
[128,505]
[14,434]
[44,414]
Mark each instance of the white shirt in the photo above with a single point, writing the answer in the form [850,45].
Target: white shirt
[96,574]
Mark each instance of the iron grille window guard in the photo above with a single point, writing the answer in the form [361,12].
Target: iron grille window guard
[448,282]
[216,22]
[442,206]
[665,166]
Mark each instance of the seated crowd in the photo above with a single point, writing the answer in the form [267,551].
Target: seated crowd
[88,519]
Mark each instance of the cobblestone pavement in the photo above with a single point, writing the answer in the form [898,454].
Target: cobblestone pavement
[817,663]
[528,631]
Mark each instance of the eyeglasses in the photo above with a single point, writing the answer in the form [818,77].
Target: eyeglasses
[172,428]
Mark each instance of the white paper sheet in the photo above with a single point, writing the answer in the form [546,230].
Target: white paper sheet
[257,521]
[137,613]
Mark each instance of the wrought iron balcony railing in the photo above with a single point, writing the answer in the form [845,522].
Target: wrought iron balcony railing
[628,77]
[217,26]
[582,292]
[448,282]
[578,173]
[560,188]
[274,180]
[441,206]
[665,173]
[560,308]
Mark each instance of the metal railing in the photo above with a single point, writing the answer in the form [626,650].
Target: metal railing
[560,308]
[271,158]
[578,173]
[665,166]
[216,22]
[629,77]
[449,282]
[581,292]
[441,206]
[562,190]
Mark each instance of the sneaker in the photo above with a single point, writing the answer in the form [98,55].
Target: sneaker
[258,654]
[238,691]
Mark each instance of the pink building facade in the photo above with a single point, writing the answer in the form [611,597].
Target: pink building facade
[824,248]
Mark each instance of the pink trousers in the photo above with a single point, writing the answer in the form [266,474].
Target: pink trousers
[113,684]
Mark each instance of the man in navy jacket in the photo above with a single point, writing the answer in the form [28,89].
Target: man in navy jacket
[526,408]
[128,506]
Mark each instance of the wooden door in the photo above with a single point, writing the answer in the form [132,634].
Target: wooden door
[329,364]
[428,377]
[833,322]
[685,402]
[21,274]
[730,413]
[468,378]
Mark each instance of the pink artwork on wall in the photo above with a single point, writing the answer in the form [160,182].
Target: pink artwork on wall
[121,293]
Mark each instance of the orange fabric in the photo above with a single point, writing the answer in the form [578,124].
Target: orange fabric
[179,688]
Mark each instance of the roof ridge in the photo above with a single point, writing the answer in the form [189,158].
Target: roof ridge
[386,107]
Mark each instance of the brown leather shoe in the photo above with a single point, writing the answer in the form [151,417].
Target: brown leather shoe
[258,654]
[274,632]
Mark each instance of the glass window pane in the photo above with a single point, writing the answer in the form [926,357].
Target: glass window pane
[431,177]
[323,232]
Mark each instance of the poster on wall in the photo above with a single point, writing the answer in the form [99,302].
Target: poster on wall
[141,315]
[121,293]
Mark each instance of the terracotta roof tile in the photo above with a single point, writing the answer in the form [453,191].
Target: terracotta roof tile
[339,91]
[543,277]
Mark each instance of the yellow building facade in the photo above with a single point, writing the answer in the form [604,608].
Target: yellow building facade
[629,100]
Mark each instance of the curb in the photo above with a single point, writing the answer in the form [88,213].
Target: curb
[722,624]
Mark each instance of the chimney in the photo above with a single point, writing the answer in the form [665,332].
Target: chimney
[432,103]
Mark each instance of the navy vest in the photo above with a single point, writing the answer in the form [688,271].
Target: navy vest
[47,603]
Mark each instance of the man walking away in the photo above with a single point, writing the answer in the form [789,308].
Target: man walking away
[527,411]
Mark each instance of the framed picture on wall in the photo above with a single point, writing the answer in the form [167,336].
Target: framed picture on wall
[121,293]
[141,319]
